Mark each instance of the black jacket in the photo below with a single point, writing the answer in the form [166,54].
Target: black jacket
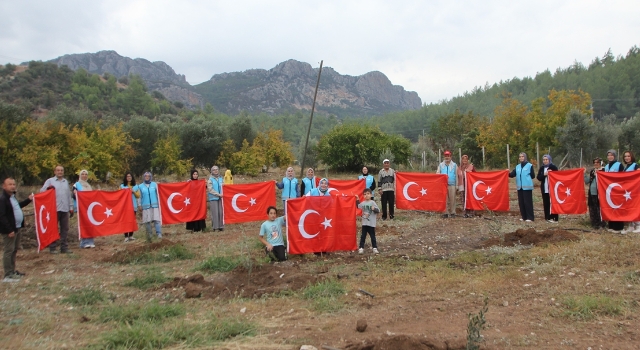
[543,178]
[7,220]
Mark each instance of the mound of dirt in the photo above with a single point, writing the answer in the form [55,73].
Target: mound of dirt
[264,279]
[394,342]
[129,251]
[531,237]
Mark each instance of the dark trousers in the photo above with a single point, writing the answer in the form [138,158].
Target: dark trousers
[387,197]
[525,201]
[63,223]
[546,201]
[594,211]
[11,245]
[279,253]
[372,233]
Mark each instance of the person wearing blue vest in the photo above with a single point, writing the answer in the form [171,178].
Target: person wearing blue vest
[130,182]
[289,187]
[149,203]
[370,181]
[630,165]
[214,196]
[308,183]
[524,174]
[449,168]
[613,166]
[82,185]
[321,190]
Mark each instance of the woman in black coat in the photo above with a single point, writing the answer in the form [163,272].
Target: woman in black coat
[547,166]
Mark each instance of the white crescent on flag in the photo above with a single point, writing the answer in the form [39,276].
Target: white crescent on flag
[90,214]
[301,224]
[170,202]
[234,202]
[405,191]
[473,190]
[42,227]
[609,201]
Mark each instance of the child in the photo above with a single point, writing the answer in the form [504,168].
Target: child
[272,231]
[369,212]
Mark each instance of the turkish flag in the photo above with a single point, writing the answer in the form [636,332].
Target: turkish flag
[490,188]
[421,191]
[348,188]
[46,216]
[104,213]
[321,224]
[248,202]
[566,191]
[183,201]
[619,195]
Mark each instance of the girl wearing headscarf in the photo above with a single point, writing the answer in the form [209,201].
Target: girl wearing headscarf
[464,168]
[321,190]
[593,201]
[289,187]
[228,177]
[308,183]
[149,202]
[214,196]
[614,166]
[130,182]
[544,170]
[631,165]
[83,185]
[198,225]
[370,181]
[524,174]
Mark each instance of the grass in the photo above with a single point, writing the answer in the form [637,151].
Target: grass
[587,307]
[152,277]
[219,264]
[167,254]
[84,297]
[324,295]
[152,312]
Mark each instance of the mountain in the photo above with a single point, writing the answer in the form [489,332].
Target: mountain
[290,86]
[158,75]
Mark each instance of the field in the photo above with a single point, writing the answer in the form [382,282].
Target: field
[546,286]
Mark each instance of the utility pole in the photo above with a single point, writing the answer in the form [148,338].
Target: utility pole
[313,107]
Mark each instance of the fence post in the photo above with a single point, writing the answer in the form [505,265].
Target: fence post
[508,161]
[484,165]
[460,155]
[439,155]
[537,153]
[581,157]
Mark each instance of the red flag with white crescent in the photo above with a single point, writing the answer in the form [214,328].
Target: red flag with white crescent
[566,191]
[490,188]
[348,188]
[421,191]
[46,217]
[183,201]
[619,195]
[104,213]
[321,224]
[248,202]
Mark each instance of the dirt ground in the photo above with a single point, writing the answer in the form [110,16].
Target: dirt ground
[417,294]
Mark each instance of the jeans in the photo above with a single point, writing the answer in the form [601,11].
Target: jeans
[11,245]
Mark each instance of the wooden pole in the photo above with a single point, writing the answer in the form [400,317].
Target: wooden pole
[538,153]
[508,161]
[483,160]
[460,155]
[581,157]
[303,173]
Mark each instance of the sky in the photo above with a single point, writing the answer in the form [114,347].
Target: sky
[440,49]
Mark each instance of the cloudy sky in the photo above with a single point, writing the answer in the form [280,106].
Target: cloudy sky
[439,49]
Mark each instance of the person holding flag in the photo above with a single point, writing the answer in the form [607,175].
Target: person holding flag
[464,168]
[321,190]
[449,168]
[387,189]
[214,193]
[631,165]
[524,174]
[308,183]
[614,166]
[543,173]
[150,203]
[83,185]
[370,181]
[592,200]
[370,212]
[64,207]
[11,220]
[289,186]
[130,182]
[199,225]
[271,235]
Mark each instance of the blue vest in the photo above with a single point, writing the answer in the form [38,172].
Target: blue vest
[133,196]
[78,187]
[450,171]
[309,184]
[149,195]
[614,168]
[216,184]
[632,167]
[316,192]
[368,179]
[523,177]
[290,189]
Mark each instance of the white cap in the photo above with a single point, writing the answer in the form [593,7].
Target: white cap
[385,161]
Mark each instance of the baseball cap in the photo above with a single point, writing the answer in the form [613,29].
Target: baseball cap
[447,153]
[386,161]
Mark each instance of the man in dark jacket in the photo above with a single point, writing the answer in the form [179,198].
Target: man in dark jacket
[11,220]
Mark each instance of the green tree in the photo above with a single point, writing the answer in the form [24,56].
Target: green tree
[629,138]
[241,129]
[166,157]
[576,136]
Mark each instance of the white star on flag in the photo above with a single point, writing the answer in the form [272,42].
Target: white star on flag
[252,201]
[187,201]
[488,190]
[327,223]
[108,212]
[627,195]
[423,191]
[568,191]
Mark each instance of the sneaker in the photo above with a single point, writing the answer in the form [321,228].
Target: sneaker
[552,221]
[452,215]
[132,238]
[637,230]
[92,246]
[622,232]
[361,250]
[445,216]
[159,235]
[85,247]
[527,220]
[375,251]
[521,219]
[54,252]
[10,279]
[18,273]
[126,239]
